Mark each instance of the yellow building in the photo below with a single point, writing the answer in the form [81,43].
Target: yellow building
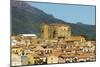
[77,40]
[55,31]
[30,58]
[45,31]
[52,59]
[17,49]
[16,55]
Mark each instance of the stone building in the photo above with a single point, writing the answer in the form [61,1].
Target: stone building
[52,59]
[55,31]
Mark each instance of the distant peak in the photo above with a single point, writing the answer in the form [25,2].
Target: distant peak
[79,23]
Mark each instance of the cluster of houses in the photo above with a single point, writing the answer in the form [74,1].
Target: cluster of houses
[55,45]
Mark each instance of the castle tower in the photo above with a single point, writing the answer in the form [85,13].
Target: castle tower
[45,31]
[60,31]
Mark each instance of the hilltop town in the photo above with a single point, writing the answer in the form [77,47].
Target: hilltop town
[55,45]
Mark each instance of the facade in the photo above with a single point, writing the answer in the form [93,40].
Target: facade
[16,60]
[52,59]
[24,60]
[56,45]
[30,58]
[55,31]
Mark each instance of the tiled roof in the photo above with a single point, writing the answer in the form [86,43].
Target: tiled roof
[75,38]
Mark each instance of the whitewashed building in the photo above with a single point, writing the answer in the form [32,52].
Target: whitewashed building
[16,60]
[52,59]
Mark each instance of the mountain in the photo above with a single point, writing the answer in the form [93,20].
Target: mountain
[26,19]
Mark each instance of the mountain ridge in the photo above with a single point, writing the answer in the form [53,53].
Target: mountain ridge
[27,19]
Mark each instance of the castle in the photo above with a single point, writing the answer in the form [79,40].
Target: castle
[55,31]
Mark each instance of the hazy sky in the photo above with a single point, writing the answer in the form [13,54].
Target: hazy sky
[69,13]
